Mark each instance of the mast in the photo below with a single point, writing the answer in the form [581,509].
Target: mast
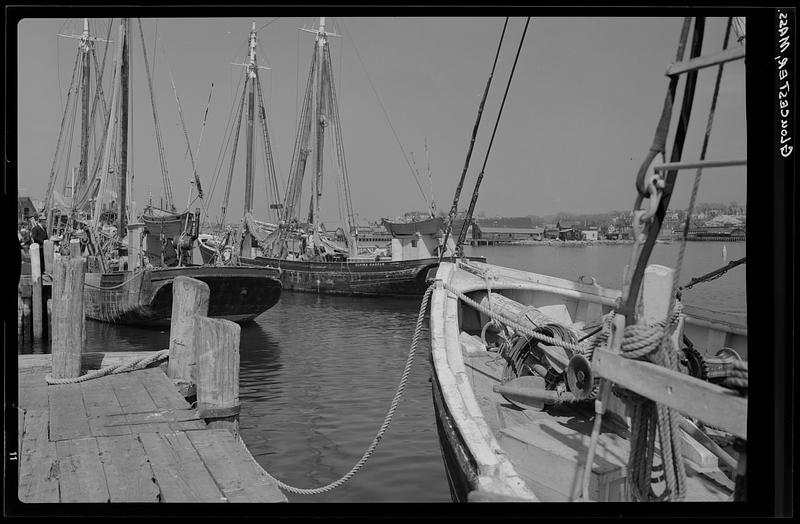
[251,73]
[122,172]
[85,78]
[321,122]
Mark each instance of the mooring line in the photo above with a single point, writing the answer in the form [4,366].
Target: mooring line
[387,420]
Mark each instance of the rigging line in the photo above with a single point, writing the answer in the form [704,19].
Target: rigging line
[268,23]
[227,135]
[457,197]
[183,125]
[197,153]
[270,178]
[238,128]
[161,156]
[337,124]
[699,172]
[405,157]
[58,70]
[54,166]
[463,234]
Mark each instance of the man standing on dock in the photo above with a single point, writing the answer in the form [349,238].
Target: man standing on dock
[39,235]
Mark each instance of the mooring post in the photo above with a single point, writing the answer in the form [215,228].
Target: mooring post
[218,372]
[68,317]
[50,318]
[189,301]
[36,291]
[19,315]
[74,248]
[49,249]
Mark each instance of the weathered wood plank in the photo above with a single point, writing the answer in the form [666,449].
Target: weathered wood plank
[239,477]
[101,402]
[708,402]
[32,390]
[161,390]
[39,470]
[128,474]
[178,469]
[81,474]
[134,398]
[68,419]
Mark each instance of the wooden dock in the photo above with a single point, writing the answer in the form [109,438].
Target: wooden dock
[132,436]
[128,437]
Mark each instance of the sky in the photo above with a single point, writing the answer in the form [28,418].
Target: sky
[579,118]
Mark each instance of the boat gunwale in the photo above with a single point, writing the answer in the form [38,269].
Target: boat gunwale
[448,359]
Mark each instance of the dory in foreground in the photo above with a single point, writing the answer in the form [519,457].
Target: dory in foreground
[547,389]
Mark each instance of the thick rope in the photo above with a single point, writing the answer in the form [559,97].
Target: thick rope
[122,367]
[519,328]
[387,420]
[650,419]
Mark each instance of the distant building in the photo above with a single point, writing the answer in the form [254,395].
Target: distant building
[25,208]
[510,234]
[590,234]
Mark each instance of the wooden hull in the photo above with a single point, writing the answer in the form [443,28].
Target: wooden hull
[238,294]
[367,278]
[505,451]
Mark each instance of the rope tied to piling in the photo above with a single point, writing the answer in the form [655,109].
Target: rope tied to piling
[387,420]
[122,367]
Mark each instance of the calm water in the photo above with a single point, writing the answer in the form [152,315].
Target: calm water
[318,373]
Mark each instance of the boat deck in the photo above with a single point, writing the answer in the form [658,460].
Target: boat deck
[548,448]
[128,437]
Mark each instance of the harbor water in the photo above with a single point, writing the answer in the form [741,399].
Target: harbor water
[318,373]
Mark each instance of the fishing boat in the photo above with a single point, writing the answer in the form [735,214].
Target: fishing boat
[296,250]
[132,265]
[547,389]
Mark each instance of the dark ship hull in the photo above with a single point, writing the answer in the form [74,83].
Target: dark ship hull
[239,294]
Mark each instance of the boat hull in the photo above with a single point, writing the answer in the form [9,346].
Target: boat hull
[367,278]
[494,449]
[239,294]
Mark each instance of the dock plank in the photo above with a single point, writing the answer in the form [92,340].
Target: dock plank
[169,401]
[101,403]
[178,469]
[32,389]
[161,389]
[129,476]
[134,398]
[38,464]
[239,477]
[68,419]
[81,474]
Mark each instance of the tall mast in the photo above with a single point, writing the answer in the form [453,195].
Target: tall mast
[122,172]
[86,44]
[321,122]
[251,74]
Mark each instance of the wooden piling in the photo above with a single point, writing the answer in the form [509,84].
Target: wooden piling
[189,301]
[36,289]
[19,315]
[74,248]
[68,317]
[50,319]
[218,372]
[26,317]
[49,253]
